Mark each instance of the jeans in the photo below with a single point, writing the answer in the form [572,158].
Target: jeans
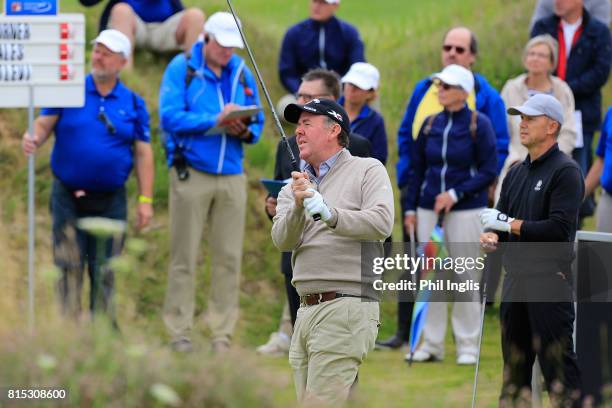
[73,248]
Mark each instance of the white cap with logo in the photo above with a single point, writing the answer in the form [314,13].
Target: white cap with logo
[332,1]
[115,41]
[362,75]
[456,75]
[223,28]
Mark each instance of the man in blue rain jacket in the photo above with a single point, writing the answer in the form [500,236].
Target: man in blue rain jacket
[198,92]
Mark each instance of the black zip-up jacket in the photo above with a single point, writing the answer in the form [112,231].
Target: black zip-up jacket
[176,5]
[546,194]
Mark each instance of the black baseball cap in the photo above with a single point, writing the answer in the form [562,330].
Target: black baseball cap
[325,107]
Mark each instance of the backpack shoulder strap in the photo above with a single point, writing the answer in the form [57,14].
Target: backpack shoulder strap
[428,124]
[247,91]
[474,124]
[190,71]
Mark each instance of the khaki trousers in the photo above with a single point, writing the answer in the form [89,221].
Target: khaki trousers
[461,228]
[220,202]
[329,342]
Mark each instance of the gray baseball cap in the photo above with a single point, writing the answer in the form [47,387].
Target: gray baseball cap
[540,105]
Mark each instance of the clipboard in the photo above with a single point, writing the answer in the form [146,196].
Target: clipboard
[244,112]
[273,186]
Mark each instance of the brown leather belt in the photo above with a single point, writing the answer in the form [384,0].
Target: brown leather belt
[315,298]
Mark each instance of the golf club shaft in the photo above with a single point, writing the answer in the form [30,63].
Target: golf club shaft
[412,250]
[482,315]
[315,217]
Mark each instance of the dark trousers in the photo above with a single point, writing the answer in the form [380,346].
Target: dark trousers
[584,157]
[543,330]
[492,274]
[292,296]
[73,248]
[404,308]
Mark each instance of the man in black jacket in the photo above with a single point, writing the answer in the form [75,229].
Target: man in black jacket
[317,83]
[160,26]
[585,56]
[538,205]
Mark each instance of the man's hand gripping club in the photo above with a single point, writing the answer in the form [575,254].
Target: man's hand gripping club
[306,196]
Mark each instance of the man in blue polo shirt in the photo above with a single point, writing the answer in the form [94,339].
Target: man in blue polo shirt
[321,41]
[95,149]
[601,172]
[208,187]
[160,26]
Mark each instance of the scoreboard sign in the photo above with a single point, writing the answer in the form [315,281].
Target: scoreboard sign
[45,53]
[31,7]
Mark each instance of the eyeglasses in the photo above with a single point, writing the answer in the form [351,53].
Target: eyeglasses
[109,125]
[307,97]
[541,55]
[458,49]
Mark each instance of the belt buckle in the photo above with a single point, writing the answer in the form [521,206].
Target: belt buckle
[318,298]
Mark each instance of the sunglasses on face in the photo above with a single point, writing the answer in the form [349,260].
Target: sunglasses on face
[109,125]
[458,49]
[446,87]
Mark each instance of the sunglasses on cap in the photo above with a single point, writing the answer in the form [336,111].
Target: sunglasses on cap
[458,49]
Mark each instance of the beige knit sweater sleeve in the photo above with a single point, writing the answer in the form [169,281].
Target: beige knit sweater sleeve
[288,223]
[374,221]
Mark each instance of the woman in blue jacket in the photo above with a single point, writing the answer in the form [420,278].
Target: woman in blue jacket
[360,85]
[453,162]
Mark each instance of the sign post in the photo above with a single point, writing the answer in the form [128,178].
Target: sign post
[42,58]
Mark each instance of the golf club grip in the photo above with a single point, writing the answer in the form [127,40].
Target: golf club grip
[316,217]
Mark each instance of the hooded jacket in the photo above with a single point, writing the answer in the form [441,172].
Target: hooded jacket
[188,110]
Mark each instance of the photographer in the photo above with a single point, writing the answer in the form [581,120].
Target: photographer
[198,92]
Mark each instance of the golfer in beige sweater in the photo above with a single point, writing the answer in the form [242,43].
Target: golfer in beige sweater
[336,324]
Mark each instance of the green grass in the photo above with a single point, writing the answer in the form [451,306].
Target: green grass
[403,40]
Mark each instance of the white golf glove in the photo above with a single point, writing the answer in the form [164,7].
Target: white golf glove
[316,205]
[492,219]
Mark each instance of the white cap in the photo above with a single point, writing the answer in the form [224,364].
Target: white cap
[332,1]
[540,105]
[458,76]
[222,26]
[115,41]
[362,75]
